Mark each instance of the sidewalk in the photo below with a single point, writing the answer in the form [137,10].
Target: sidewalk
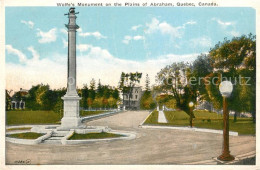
[161,117]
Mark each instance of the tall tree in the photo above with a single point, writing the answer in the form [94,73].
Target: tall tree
[175,78]
[122,87]
[85,94]
[92,92]
[115,94]
[233,59]
[147,83]
[100,89]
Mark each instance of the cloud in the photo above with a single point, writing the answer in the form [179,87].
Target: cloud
[83,47]
[152,26]
[11,50]
[201,42]
[93,62]
[47,37]
[165,28]
[135,27]
[128,38]
[34,72]
[96,34]
[30,24]
[64,31]
[35,54]
[65,43]
[222,23]
[188,23]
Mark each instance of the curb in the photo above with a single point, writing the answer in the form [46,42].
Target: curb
[29,141]
[231,133]
[215,161]
[141,124]
[91,117]
[127,136]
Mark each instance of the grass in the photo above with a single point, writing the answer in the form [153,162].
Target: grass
[153,118]
[204,119]
[101,135]
[22,117]
[23,128]
[28,135]
[88,113]
[32,117]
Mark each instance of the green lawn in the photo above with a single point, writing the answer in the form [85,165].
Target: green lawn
[28,135]
[32,117]
[153,118]
[101,135]
[13,129]
[88,113]
[204,119]
[21,117]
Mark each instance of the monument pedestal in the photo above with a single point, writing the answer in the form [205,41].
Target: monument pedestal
[71,119]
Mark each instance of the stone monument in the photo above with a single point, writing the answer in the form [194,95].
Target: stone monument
[71,99]
[71,122]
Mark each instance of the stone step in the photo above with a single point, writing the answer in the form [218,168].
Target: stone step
[55,138]
[58,134]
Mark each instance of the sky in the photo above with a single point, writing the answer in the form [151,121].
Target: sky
[112,40]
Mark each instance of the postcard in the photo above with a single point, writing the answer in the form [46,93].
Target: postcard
[139,84]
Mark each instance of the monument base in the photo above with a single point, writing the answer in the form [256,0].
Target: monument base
[71,119]
[68,123]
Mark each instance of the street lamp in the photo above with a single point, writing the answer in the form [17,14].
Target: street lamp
[191,104]
[225,89]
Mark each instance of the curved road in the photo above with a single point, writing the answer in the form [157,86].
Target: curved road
[152,146]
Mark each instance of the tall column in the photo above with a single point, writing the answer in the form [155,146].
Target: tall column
[71,99]
[71,77]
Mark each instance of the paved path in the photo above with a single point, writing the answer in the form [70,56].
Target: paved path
[161,117]
[152,146]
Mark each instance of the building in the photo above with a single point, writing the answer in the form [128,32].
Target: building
[134,99]
[17,101]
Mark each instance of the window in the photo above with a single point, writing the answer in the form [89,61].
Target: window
[136,96]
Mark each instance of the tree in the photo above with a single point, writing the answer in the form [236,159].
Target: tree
[49,100]
[85,94]
[8,99]
[100,89]
[92,92]
[200,68]
[234,59]
[147,83]
[176,78]
[147,102]
[115,94]
[31,99]
[112,102]
[58,108]
[167,100]
[107,91]
[122,86]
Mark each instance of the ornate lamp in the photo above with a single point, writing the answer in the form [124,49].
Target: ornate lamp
[225,89]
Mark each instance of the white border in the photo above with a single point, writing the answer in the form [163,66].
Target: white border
[221,3]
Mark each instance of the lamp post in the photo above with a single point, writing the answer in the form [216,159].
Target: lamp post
[191,104]
[225,89]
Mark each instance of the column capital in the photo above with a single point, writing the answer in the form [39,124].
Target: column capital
[72,27]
